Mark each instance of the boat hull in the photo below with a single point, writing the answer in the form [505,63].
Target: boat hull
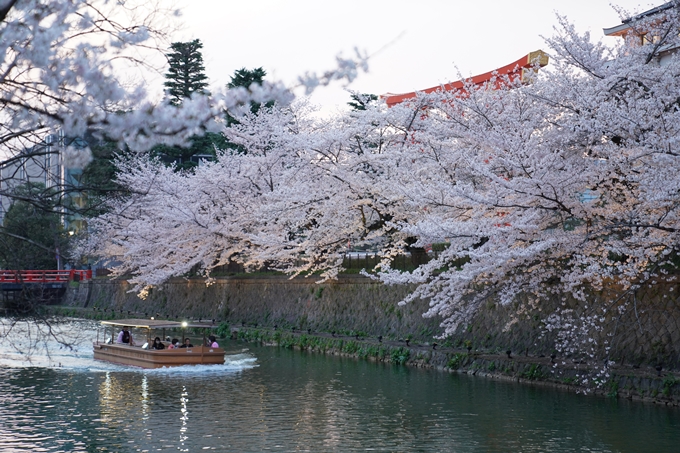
[150,358]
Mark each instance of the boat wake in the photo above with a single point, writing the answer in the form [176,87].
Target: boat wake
[74,360]
[22,352]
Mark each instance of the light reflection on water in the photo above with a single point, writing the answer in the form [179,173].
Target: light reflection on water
[274,399]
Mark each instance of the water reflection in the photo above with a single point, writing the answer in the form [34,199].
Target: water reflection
[184,419]
[294,401]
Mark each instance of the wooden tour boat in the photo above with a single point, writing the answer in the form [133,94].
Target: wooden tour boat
[144,356]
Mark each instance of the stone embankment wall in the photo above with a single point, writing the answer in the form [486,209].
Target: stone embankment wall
[639,329]
[350,305]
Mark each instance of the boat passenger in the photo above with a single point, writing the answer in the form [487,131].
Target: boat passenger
[157,344]
[212,342]
[125,337]
[173,344]
[187,343]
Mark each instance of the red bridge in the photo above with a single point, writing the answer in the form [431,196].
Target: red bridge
[51,276]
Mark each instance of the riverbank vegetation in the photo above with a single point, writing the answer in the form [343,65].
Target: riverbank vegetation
[623,382]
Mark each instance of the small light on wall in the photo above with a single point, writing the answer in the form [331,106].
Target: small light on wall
[184,324]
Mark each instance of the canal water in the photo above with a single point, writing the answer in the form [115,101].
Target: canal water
[273,399]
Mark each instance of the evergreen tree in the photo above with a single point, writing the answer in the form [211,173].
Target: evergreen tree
[98,179]
[245,78]
[361,101]
[32,233]
[186,74]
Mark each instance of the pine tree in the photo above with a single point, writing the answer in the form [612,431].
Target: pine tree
[360,101]
[186,74]
[245,78]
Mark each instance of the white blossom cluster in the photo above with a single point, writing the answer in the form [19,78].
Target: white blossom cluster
[71,67]
[56,67]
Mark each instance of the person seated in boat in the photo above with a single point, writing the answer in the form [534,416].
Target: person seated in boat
[157,344]
[212,342]
[125,337]
[187,343]
[173,344]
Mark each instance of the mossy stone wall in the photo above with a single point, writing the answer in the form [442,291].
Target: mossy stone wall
[349,305]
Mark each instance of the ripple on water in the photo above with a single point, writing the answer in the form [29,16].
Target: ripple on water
[291,401]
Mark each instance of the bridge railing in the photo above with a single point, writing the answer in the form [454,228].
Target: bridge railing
[44,276]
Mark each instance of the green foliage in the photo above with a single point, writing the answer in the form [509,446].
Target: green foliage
[400,355]
[287,341]
[303,342]
[440,246]
[533,372]
[668,384]
[426,332]
[98,179]
[185,77]
[223,330]
[32,233]
[186,74]
[369,351]
[456,361]
[613,389]
[350,347]
[246,77]
[360,101]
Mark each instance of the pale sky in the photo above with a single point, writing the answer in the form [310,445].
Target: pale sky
[414,45]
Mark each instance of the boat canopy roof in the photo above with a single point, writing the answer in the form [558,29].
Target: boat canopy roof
[157,324]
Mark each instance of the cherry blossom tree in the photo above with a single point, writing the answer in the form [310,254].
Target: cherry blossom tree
[558,186]
[561,185]
[255,207]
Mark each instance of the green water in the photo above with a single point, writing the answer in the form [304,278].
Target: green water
[271,399]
